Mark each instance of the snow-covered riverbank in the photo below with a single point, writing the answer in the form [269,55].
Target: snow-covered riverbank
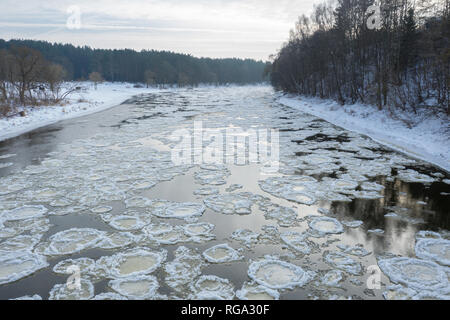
[428,138]
[80,103]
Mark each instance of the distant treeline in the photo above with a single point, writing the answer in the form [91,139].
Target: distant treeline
[342,52]
[152,67]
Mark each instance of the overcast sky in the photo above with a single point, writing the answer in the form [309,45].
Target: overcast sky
[203,28]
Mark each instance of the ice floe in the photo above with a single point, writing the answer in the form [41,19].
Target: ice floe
[127,223]
[44,195]
[136,288]
[87,266]
[379,232]
[222,253]
[135,262]
[101,209]
[286,217]
[200,230]
[343,262]
[117,240]
[398,292]
[358,251]
[186,266]
[295,188]
[73,240]
[437,250]
[353,224]
[181,211]
[253,291]
[277,274]
[137,202]
[430,295]
[234,187]
[324,225]
[35,226]
[25,212]
[209,177]
[109,296]
[414,177]
[19,243]
[164,233]
[372,186]
[65,292]
[143,185]
[29,298]
[415,274]
[58,203]
[209,287]
[332,278]
[11,184]
[19,264]
[366,195]
[245,236]
[298,242]
[206,191]
[425,234]
[7,156]
[6,165]
[232,203]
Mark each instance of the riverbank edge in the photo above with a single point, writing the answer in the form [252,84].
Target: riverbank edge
[79,104]
[428,142]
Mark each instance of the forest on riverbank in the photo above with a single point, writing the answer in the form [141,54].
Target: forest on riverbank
[158,67]
[393,54]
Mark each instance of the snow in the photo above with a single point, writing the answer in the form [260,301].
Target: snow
[427,139]
[80,103]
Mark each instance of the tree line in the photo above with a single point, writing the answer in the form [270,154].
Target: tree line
[146,66]
[340,52]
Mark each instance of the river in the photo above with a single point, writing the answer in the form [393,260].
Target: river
[104,195]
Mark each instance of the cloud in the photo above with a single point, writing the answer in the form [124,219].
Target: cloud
[241,28]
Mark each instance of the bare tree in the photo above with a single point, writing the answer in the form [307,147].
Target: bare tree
[403,62]
[54,75]
[28,66]
[183,79]
[96,78]
[27,79]
[150,78]
[4,75]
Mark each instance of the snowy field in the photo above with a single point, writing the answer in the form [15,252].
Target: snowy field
[428,138]
[78,104]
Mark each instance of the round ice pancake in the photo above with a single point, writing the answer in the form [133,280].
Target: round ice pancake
[277,274]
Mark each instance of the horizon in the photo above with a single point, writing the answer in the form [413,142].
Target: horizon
[123,49]
[199,28]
